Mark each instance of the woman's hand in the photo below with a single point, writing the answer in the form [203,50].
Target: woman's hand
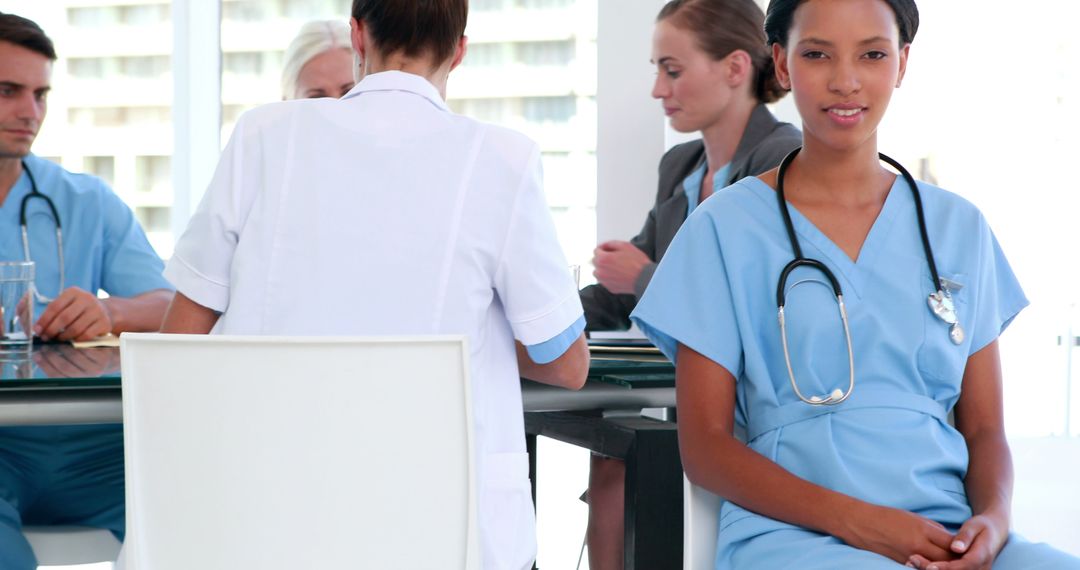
[618,265]
[978,543]
[897,534]
[989,477]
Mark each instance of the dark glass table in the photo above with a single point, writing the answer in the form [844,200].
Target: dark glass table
[59,384]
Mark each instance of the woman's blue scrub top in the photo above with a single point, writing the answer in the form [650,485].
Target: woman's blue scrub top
[889,443]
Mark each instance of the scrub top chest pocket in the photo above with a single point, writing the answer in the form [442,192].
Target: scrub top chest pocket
[939,357]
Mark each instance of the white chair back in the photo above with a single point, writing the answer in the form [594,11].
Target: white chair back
[700,511]
[284,453]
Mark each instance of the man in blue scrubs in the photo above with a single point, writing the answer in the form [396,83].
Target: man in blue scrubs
[71,475]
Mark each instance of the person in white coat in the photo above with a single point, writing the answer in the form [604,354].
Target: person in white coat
[385,213]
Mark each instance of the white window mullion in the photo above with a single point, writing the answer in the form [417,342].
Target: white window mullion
[630,124]
[196,103]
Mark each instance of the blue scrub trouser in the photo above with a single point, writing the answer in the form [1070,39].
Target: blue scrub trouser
[791,549]
[58,475]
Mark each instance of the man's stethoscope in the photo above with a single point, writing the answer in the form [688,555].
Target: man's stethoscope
[25,237]
[940,301]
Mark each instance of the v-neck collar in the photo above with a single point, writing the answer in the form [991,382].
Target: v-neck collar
[853,271]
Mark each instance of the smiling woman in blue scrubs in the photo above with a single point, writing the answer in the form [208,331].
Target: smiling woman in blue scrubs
[881,479]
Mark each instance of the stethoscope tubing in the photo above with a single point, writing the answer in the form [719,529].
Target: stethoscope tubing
[34,193]
[801,261]
[928,251]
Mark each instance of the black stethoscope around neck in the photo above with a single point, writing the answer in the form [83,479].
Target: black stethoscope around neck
[940,301]
[34,193]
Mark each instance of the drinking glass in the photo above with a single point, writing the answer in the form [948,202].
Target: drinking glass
[16,306]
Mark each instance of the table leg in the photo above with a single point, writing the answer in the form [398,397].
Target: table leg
[653,514]
[530,447]
[654,501]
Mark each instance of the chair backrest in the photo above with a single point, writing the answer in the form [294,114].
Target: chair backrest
[285,453]
[700,513]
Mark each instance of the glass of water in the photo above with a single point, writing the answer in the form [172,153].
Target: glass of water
[16,306]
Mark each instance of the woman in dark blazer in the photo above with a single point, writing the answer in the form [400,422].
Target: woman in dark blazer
[714,76]
[764,142]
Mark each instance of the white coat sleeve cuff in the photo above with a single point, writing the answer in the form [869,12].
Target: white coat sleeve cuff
[555,347]
[196,286]
[544,326]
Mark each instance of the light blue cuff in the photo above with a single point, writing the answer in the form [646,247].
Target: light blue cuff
[555,347]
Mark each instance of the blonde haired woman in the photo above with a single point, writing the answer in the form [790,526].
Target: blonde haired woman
[318,62]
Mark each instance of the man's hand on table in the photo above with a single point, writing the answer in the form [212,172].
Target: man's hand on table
[75,314]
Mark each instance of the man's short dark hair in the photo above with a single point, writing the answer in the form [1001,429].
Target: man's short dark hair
[25,33]
[414,27]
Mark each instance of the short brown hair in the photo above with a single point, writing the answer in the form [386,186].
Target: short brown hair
[414,27]
[25,33]
[723,26]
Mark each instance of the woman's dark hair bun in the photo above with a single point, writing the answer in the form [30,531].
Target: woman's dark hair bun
[721,27]
[768,88]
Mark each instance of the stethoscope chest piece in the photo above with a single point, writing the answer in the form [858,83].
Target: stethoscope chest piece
[941,304]
[956,334]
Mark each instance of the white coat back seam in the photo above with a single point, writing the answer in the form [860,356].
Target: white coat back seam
[455,230]
[271,263]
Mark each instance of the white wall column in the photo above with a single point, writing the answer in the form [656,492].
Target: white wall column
[196,112]
[630,124]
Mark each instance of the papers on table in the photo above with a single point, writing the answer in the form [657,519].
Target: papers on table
[109,340]
[633,333]
[623,345]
